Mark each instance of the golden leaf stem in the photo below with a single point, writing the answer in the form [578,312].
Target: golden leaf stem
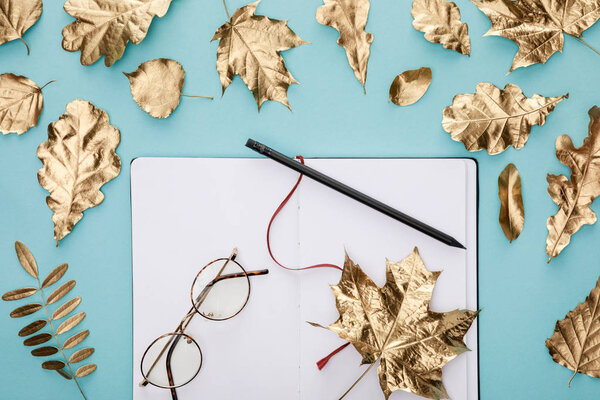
[199,97]
[226,10]
[25,43]
[52,81]
[584,42]
[358,380]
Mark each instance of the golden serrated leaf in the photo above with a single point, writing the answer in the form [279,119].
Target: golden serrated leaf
[53,365]
[60,292]
[104,27]
[495,119]
[79,158]
[395,326]
[537,27]
[64,374]
[55,275]
[574,343]
[21,103]
[408,87]
[70,323]
[512,213]
[32,328]
[25,310]
[349,18]
[26,259]
[44,351]
[85,370]
[250,46]
[75,339]
[16,17]
[81,355]
[574,196]
[18,294]
[37,339]
[440,21]
[66,308]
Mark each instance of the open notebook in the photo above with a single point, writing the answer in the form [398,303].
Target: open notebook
[187,212]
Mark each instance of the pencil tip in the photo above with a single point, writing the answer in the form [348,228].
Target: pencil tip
[456,243]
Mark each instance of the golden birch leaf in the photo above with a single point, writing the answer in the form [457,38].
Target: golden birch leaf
[16,17]
[495,119]
[537,27]
[512,213]
[104,27]
[574,343]
[250,46]
[26,259]
[574,196]
[79,158]
[21,104]
[408,87]
[349,18]
[395,325]
[440,21]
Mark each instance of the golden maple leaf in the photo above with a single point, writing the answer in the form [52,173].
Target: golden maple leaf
[440,21]
[574,196]
[495,119]
[574,343]
[537,26]
[349,18]
[250,46]
[21,104]
[394,325]
[79,157]
[16,17]
[104,27]
[512,212]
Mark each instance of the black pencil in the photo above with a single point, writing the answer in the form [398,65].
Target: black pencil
[353,193]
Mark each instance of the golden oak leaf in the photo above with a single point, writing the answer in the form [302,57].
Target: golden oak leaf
[537,26]
[512,213]
[250,46]
[16,17]
[104,27]
[440,21]
[79,158]
[349,18]
[574,197]
[576,339]
[21,104]
[495,119]
[394,325]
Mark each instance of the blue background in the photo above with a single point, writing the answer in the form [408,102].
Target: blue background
[521,295]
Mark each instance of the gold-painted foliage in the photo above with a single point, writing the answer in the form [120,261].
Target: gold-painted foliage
[512,213]
[537,26]
[21,104]
[79,158]
[495,119]
[55,275]
[18,294]
[26,259]
[104,27]
[574,196]
[16,17]
[395,326]
[440,21]
[574,343]
[349,18]
[60,292]
[408,87]
[250,46]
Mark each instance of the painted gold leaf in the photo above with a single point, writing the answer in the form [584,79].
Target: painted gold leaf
[250,46]
[44,351]
[21,103]
[79,158]
[16,17]
[37,339]
[574,196]
[349,18]
[66,308]
[60,292]
[394,325]
[55,275]
[53,365]
[85,370]
[537,27]
[26,259]
[25,310]
[440,21]
[32,328]
[408,87]
[574,343]
[81,355]
[512,213]
[70,323]
[18,294]
[104,27]
[64,374]
[495,119]
[75,339]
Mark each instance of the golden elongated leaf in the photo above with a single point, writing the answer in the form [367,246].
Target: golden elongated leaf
[104,27]
[394,325]
[16,17]
[26,259]
[53,365]
[495,119]
[64,374]
[349,18]
[574,196]
[79,158]
[37,339]
[60,292]
[574,343]
[440,21]
[21,103]
[18,294]
[55,275]
[70,323]
[85,370]
[512,213]
[250,46]
[66,308]
[32,328]
[25,310]
[81,355]
[75,339]
[44,351]
[408,87]
[537,26]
